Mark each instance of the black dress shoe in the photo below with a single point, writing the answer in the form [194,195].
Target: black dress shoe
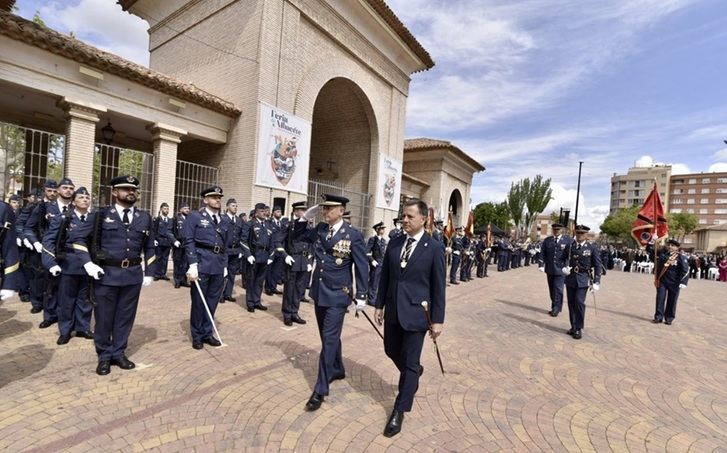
[156,279]
[45,324]
[176,286]
[269,293]
[657,321]
[305,299]
[35,310]
[261,307]
[85,334]
[288,322]
[577,334]
[63,339]
[277,291]
[668,323]
[197,345]
[454,283]
[164,278]
[123,363]
[571,331]
[251,309]
[103,368]
[393,426]
[421,370]
[337,377]
[212,341]
[231,299]
[24,298]
[185,284]
[222,301]
[298,320]
[314,402]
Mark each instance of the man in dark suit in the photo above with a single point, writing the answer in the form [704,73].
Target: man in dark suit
[554,253]
[375,249]
[163,240]
[339,250]
[413,271]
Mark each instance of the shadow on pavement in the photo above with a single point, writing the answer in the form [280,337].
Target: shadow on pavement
[23,362]
[140,335]
[540,324]
[13,327]
[7,314]
[523,306]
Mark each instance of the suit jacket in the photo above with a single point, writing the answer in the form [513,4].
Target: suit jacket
[8,248]
[163,231]
[554,255]
[402,290]
[583,261]
[200,233]
[72,264]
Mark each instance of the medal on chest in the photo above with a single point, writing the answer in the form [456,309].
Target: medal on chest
[341,250]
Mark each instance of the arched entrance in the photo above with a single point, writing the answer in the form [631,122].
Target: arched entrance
[455,203]
[342,142]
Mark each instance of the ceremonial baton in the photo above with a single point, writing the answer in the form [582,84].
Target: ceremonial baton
[595,307]
[434,339]
[207,309]
[350,297]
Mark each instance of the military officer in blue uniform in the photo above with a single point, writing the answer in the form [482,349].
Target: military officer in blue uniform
[60,258]
[455,248]
[9,258]
[466,263]
[179,256]
[164,241]
[206,235]
[278,225]
[234,248]
[299,262]
[396,232]
[672,270]
[23,276]
[413,271]
[553,257]
[437,232]
[375,249]
[110,245]
[35,228]
[582,272]
[258,250]
[339,251]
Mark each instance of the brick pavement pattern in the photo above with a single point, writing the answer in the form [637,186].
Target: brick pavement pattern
[515,381]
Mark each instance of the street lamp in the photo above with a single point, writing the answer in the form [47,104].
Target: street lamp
[108,132]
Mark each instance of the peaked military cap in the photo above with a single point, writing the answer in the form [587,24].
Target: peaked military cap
[379,225]
[37,193]
[66,182]
[14,198]
[81,191]
[557,225]
[334,200]
[50,184]
[164,205]
[300,205]
[214,191]
[582,229]
[259,206]
[125,181]
[346,214]
[277,208]
[673,241]
[184,204]
[230,201]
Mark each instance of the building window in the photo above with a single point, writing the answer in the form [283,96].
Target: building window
[704,201]
[637,183]
[677,192]
[720,221]
[690,211]
[677,201]
[720,201]
[692,181]
[705,190]
[702,221]
[675,210]
[692,191]
[721,180]
[688,240]
[679,181]
[720,211]
[703,211]
[705,180]
[690,201]
[720,190]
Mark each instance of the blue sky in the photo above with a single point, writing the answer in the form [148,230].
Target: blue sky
[534,86]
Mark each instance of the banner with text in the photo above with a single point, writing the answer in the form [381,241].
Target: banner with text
[283,154]
[388,192]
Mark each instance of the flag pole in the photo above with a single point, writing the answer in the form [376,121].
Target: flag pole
[656,233]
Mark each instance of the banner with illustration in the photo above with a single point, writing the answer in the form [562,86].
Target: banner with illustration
[283,154]
[388,191]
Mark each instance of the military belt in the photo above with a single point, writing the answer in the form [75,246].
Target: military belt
[126,262]
[217,249]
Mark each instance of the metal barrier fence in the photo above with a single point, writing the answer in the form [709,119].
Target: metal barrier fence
[112,161]
[358,202]
[28,157]
[191,180]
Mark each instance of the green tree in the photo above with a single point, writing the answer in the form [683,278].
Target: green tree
[37,19]
[516,204]
[618,226]
[496,213]
[537,196]
[682,224]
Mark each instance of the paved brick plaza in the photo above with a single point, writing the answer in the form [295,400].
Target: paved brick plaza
[515,381]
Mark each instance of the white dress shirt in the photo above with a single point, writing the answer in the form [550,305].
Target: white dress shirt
[120,211]
[417,238]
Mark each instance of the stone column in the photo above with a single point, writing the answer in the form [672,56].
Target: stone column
[166,139]
[81,119]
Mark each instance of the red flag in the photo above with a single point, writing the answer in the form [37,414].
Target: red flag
[469,230]
[430,221]
[489,234]
[449,229]
[650,223]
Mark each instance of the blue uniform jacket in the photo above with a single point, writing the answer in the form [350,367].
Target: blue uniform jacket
[234,235]
[456,244]
[73,262]
[163,232]
[9,255]
[300,251]
[204,242]
[677,272]
[34,224]
[553,256]
[402,290]
[179,228]
[259,241]
[330,276]
[395,233]
[118,243]
[375,249]
[582,262]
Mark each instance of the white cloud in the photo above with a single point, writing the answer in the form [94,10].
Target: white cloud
[644,162]
[647,161]
[103,24]
[718,167]
[680,169]
[721,154]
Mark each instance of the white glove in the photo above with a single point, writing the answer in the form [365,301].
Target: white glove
[27,243]
[456,252]
[270,261]
[147,281]
[374,263]
[682,286]
[360,304]
[19,241]
[595,287]
[177,244]
[55,270]
[192,272]
[448,249]
[6,294]
[289,260]
[541,269]
[566,270]
[310,267]
[224,273]
[38,247]
[311,212]
[239,256]
[251,259]
[156,243]
[93,270]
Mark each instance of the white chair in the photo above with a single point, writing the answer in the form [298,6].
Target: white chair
[712,273]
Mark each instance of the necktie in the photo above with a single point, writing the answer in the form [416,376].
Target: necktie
[65,209]
[214,219]
[125,219]
[407,249]
[83,218]
[330,233]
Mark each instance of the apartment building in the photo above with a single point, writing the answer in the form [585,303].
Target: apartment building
[701,194]
[632,188]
